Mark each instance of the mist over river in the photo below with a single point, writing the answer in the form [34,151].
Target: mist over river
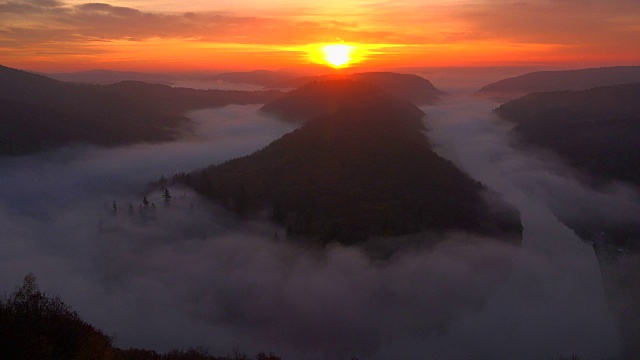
[196,277]
[554,302]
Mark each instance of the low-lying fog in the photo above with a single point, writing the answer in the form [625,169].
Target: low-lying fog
[554,302]
[188,275]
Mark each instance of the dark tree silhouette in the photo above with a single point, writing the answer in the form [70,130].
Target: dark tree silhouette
[167,196]
[34,325]
[263,356]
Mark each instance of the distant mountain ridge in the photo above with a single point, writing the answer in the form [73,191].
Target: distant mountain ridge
[108,77]
[364,169]
[118,114]
[414,88]
[583,79]
[257,77]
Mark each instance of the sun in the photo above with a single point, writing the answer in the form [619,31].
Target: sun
[337,55]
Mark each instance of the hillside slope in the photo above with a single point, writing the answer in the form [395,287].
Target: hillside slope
[364,169]
[582,79]
[123,113]
[596,131]
[416,89]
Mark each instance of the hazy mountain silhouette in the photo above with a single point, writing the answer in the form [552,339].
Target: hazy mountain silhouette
[564,80]
[256,77]
[41,113]
[414,88]
[108,77]
[315,99]
[365,168]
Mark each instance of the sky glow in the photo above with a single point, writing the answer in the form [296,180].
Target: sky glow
[72,35]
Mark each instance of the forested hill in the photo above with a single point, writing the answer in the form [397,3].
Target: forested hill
[597,130]
[363,169]
[582,79]
[39,113]
[414,88]
[315,99]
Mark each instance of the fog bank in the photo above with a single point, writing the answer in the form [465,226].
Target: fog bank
[187,274]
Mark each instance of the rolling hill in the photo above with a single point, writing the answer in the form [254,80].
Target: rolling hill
[39,113]
[414,88]
[108,77]
[313,100]
[363,169]
[597,130]
[583,79]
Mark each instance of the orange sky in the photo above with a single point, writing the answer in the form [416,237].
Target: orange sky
[155,35]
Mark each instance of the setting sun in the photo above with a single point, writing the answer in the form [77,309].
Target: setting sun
[337,55]
[342,55]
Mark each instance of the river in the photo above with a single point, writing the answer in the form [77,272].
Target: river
[554,302]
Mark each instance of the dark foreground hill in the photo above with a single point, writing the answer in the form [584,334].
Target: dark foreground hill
[35,325]
[365,168]
[414,88]
[39,113]
[564,80]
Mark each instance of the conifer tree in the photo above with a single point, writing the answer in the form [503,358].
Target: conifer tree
[167,196]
